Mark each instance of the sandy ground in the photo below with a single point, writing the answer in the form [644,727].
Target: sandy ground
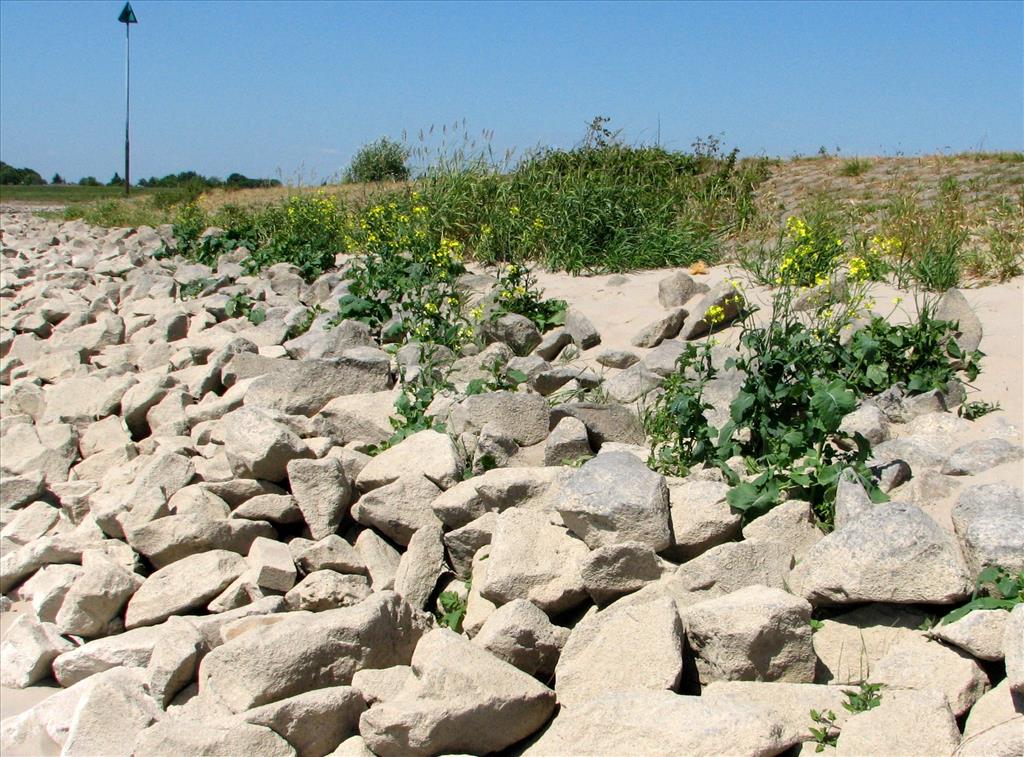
[620,305]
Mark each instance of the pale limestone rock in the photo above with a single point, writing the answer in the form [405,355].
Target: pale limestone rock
[110,715]
[658,723]
[754,634]
[186,584]
[979,633]
[313,723]
[400,508]
[327,590]
[380,558]
[892,553]
[906,722]
[461,699]
[28,649]
[619,649]
[421,566]
[302,654]
[615,498]
[929,665]
[271,564]
[617,569]
[532,559]
[428,452]
[323,493]
[521,634]
[172,664]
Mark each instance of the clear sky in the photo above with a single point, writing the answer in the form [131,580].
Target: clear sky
[292,89]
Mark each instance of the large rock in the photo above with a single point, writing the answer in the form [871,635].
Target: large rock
[754,634]
[165,540]
[615,498]
[295,656]
[421,566]
[184,585]
[28,649]
[176,654]
[532,559]
[400,508]
[303,387]
[258,446]
[620,649]
[97,596]
[379,557]
[461,699]
[978,456]
[618,569]
[953,306]
[989,523]
[517,331]
[728,302]
[925,665]
[791,702]
[850,646]
[428,452]
[327,590]
[658,331]
[567,441]
[892,553]
[130,649]
[498,490]
[521,634]
[605,423]
[701,517]
[790,524]
[110,715]
[173,737]
[905,722]
[581,329]
[735,565]
[678,288]
[658,723]
[314,723]
[271,565]
[524,417]
[359,417]
[979,633]
[995,727]
[323,493]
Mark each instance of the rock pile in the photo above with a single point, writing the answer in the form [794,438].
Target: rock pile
[208,559]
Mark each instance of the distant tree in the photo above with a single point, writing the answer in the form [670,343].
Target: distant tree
[88,181]
[383,160]
[115,180]
[57,179]
[11,175]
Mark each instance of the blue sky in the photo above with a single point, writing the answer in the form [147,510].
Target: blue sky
[292,89]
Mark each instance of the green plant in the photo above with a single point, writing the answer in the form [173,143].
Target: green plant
[805,252]
[301,327]
[453,610]
[518,293]
[855,167]
[976,409]
[995,589]
[929,241]
[192,289]
[243,306]
[417,394]
[867,697]
[383,160]
[501,378]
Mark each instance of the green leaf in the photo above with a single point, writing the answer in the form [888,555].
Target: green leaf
[832,402]
[257,316]
[517,376]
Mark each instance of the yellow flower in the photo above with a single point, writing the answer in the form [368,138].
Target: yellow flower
[485,230]
[858,269]
[431,308]
[514,210]
[477,313]
[538,223]
[714,315]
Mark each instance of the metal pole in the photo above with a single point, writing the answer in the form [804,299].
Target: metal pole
[127,102]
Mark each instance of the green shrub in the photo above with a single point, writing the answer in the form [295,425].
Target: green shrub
[383,160]
[855,167]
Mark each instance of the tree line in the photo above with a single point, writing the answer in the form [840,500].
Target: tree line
[27,176]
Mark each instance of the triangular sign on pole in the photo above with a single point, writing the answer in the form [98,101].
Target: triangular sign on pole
[127,15]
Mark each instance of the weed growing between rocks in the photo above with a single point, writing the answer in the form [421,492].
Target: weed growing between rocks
[995,589]
[802,373]
[868,697]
